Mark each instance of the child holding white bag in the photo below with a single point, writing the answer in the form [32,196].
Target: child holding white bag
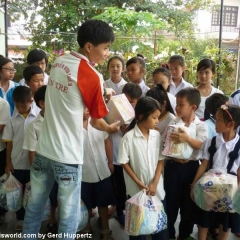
[221,152]
[140,155]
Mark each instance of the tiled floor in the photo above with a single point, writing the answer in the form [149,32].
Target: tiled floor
[117,231]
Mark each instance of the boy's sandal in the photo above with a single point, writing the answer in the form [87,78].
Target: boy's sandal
[107,232]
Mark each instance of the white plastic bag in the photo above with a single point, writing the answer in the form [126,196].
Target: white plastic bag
[13,190]
[215,190]
[3,198]
[83,216]
[144,215]
[177,150]
[236,201]
[47,208]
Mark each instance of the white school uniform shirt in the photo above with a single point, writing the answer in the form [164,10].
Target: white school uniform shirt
[95,163]
[22,81]
[163,123]
[143,156]
[117,87]
[197,128]
[14,131]
[144,88]
[4,119]
[221,158]
[172,100]
[32,134]
[183,84]
[200,111]
[11,85]
[235,97]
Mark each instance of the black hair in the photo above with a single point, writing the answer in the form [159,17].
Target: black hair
[162,70]
[165,72]
[136,60]
[30,71]
[95,32]
[133,90]
[234,112]
[22,94]
[206,63]
[4,61]
[113,58]
[161,96]
[143,109]
[177,59]
[36,55]
[214,102]
[40,95]
[191,94]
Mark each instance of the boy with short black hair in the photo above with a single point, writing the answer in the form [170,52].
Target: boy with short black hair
[73,85]
[34,78]
[179,173]
[37,57]
[13,135]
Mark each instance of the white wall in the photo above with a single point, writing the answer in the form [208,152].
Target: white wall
[203,20]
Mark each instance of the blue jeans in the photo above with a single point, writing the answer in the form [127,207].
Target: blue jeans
[43,174]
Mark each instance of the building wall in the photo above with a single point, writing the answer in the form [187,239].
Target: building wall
[204,28]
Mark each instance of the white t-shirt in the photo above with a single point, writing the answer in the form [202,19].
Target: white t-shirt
[95,164]
[32,134]
[221,158]
[4,119]
[197,128]
[143,156]
[174,90]
[200,111]
[164,122]
[73,85]
[14,132]
[22,81]
[117,87]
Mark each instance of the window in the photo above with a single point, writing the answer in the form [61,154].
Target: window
[230,15]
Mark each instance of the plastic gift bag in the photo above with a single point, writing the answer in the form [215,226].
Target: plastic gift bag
[144,215]
[177,150]
[3,198]
[47,208]
[83,216]
[13,190]
[215,190]
[236,201]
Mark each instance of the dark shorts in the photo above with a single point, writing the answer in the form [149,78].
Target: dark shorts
[99,194]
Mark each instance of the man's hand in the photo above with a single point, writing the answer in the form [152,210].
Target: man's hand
[114,127]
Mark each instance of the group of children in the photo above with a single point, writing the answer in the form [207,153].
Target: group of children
[119,165]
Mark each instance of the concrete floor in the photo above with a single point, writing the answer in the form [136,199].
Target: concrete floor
[118,232]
